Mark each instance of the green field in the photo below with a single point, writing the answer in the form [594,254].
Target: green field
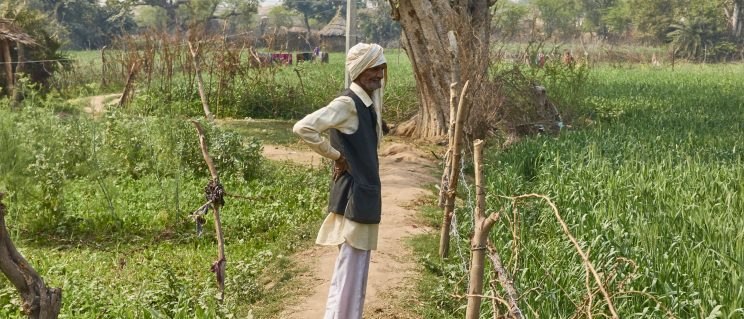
[651,183]
[648,177]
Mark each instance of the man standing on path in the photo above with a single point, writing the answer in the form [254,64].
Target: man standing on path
[354,124]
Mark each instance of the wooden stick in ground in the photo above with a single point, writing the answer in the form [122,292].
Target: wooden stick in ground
[218,267]
[511,293]
[449,204]
[481,227]
[103,66]
[39,302]
[200,82]
[450,137]
[454,79]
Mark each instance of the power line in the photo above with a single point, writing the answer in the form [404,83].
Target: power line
[37,61]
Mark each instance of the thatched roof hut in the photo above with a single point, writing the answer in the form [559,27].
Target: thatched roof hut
[12,33]
[333,35]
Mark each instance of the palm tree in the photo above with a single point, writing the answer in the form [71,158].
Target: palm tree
[690,37]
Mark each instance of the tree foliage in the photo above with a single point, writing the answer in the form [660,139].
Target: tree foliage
[690,26]
[180,14]
[376,25]
[86,24]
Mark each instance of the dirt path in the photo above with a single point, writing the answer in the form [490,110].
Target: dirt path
[98,103]
[405,174]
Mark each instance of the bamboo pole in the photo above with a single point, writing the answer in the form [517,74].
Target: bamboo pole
[39,301]
[218,267]
[451,192]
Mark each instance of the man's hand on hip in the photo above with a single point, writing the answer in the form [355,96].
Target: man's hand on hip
[339,167]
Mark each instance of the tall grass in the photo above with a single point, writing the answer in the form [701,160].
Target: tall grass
[652,186]
[235,86]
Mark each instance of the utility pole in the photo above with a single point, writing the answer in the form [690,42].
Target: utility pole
[350,34]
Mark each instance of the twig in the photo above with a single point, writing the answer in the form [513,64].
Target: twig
[575,243]
[506,282]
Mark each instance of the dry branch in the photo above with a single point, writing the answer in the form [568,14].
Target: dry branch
[129,86]
[200,82]
[39,302]
[215,193]
[506,283]
[581,252]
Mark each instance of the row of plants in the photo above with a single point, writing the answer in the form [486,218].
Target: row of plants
[235,85]
[101,208]
[651,186]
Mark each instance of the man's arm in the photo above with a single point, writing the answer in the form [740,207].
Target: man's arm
[339,114]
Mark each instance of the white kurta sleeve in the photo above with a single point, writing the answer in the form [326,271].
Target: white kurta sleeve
[339,114]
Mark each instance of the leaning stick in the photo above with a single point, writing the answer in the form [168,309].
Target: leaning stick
[218,267]
[454,169]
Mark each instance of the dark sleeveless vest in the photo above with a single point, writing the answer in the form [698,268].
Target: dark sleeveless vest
[356,194]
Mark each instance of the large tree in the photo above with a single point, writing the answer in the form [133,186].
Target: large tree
[734,10]
[426,25]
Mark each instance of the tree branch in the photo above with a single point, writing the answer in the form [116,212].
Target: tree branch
[39,302]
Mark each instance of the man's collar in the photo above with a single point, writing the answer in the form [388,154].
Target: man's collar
[361,94]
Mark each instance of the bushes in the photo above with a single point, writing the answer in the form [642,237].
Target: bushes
[53,156]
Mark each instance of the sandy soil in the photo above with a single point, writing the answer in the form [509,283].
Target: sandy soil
[405,173]
[97,104]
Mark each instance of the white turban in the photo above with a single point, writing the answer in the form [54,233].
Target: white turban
[359,58]
[363,56]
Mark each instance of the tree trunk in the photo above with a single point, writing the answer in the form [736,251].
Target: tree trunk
[736,15]
[307,35]
[39,302]
[425,25]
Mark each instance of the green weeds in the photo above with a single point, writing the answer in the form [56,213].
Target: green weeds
[101,208]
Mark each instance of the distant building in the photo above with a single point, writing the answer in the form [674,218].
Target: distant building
[333,35]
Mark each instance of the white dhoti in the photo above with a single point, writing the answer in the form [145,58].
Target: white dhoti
[349,284]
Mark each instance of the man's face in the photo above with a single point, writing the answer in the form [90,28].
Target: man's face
[371,79]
